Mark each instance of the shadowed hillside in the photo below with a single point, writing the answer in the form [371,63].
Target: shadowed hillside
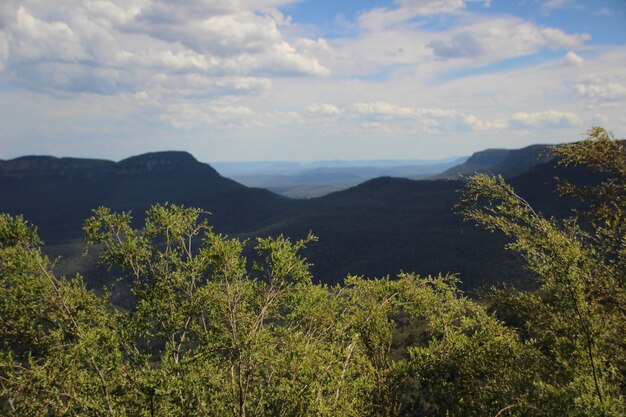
[388,225]
[58,194]
[383,226]
[505,162]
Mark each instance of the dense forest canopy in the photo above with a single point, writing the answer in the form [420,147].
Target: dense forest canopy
[212,333]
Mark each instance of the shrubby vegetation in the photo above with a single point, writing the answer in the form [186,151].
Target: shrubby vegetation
[211,333]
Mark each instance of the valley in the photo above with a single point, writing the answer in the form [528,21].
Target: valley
[379,227]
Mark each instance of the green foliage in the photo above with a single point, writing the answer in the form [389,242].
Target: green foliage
[59,344]
[463,362]
[577,319]
[605,203]
[213,333]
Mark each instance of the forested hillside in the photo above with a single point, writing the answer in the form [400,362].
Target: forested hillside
[59,193]
[212,332]
[506,162]
[414,222]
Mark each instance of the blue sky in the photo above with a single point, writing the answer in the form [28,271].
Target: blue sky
[234,80]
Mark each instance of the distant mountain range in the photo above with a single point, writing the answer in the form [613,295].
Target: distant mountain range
[382,226]
[233,169]
[314,179]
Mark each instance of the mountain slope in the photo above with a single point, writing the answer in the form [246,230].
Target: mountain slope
[388,225]
[505,162]
[306,180]
[59,193]
[383,226]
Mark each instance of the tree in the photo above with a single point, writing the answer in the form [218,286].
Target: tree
[59,344]
[577,319]
[461,361]
[227,340]
[213,333]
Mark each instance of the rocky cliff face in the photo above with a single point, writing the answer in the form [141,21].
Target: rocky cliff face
[77,168]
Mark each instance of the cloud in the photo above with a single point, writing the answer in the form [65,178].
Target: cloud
[380,18]
[380,108]
[432,7]
[323,109]
[555,4]
[221,34]
[551,5]
[184,115]
[557,39]
[119,46]
[4,51]
[34,39]
[398,79]
[573,60]
[541,120]
[461,45]
[492,39]
[598,91]
[425,118]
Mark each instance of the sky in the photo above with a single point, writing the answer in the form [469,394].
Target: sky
[304,80]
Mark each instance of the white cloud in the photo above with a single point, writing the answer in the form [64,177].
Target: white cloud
[571,59]
[546,119]
[461,45]
[557,39]
[551,5]
[492,39]
[555,4]
[409,78]
[380,18]
[380,126]
[597,91]
[117,46]
[480,125]
[33,39]
[382,109]
[432,7]
[323,109]
[285,59]
[184,115]
[425,118]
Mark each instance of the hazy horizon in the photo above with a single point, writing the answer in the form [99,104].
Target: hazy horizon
[307,80]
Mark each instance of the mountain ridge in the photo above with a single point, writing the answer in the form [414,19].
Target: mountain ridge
[382,226]
[31,166]
[505,162]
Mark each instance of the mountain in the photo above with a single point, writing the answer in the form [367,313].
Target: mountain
[59,193]
[382,226]
[243,168]
[505,162]
[388,225]
[315,179]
